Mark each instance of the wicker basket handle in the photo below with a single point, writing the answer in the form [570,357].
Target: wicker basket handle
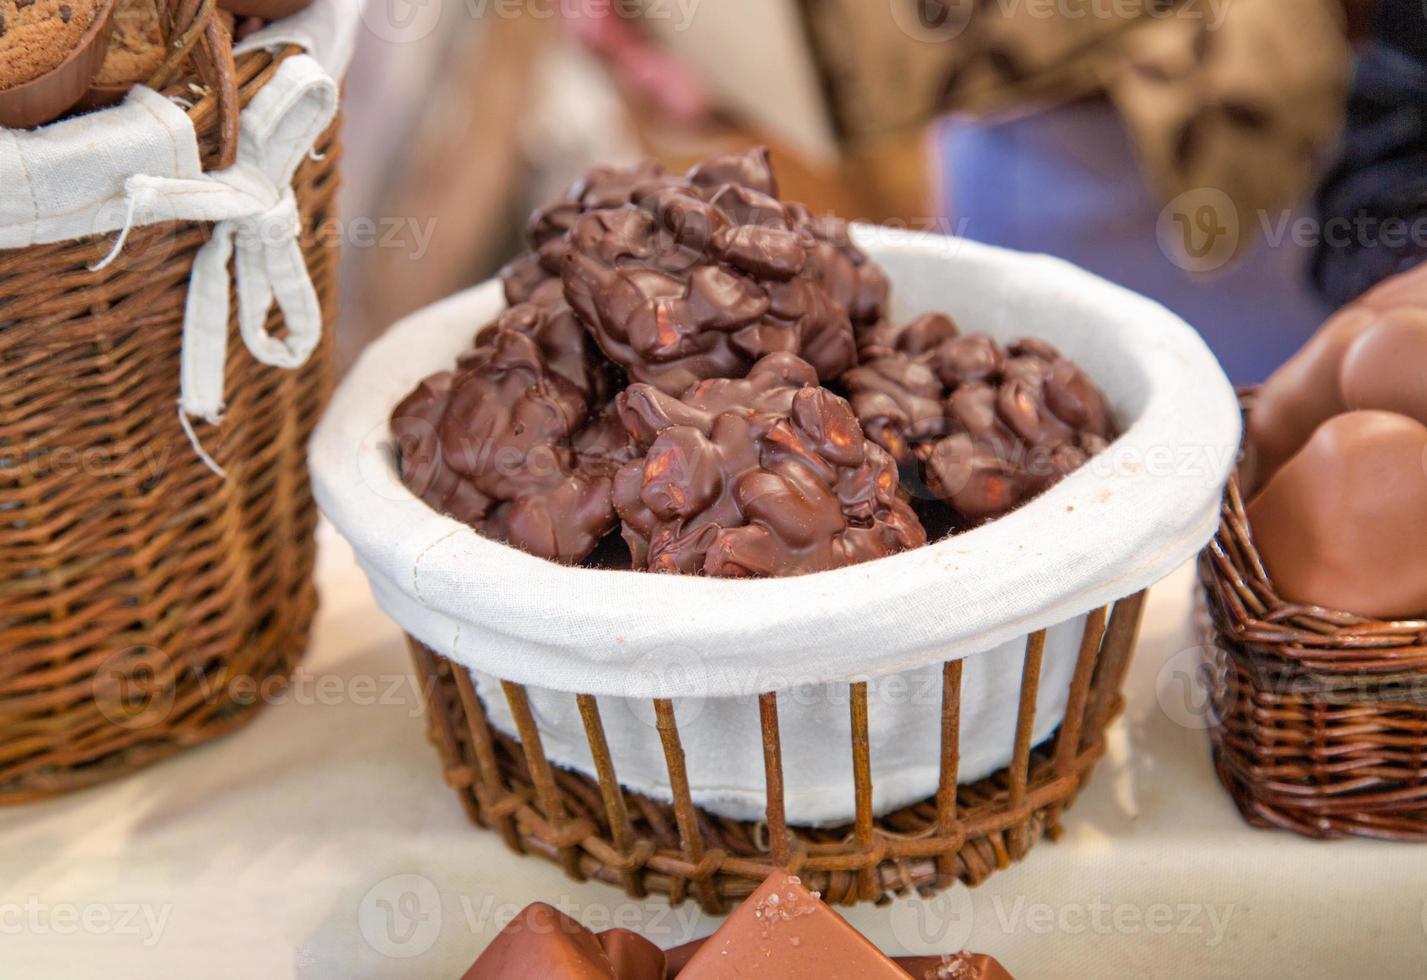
[194,29]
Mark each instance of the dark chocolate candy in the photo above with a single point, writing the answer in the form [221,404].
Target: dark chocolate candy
[978,426]
[769,475]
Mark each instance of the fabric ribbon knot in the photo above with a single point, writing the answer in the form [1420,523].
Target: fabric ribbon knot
[256,227]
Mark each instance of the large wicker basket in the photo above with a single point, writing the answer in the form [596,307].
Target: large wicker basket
[598,829]
[1318,717]
[146,604]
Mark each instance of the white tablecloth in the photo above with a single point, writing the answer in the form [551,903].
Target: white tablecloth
[320,841]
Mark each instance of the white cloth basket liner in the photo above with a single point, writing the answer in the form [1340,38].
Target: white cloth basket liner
[1116,526]
[138,163]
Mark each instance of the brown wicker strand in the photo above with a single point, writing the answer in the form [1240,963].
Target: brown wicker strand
[773,768]
[610,791]
[1021,755]
[946,822]
[690,833]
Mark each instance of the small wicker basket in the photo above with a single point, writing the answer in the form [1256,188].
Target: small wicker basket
[143,600]
[1318,717]
[599,829]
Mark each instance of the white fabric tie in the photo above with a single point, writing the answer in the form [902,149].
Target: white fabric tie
[256,226]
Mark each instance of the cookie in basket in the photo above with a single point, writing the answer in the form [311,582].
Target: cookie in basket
[36,36]
[136,45]
[50,51]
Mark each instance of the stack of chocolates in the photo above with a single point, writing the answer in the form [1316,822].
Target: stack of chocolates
[781,931]
[1337,460]
[712,372]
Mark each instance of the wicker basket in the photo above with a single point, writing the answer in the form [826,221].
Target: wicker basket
[146,605]
[1318,718]
[598,829]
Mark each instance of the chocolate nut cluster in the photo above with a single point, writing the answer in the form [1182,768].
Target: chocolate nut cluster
[981,427]
[761,476]
[509,442]
[685,278]
[662,367]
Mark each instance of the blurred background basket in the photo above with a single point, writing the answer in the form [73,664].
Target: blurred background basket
[596,828]
[1319,718]
[146,604]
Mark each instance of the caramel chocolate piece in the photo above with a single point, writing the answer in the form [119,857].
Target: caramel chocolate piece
[1343,524]
[631,956]
[699,277]
[543,943]
[768,475]
[784,931]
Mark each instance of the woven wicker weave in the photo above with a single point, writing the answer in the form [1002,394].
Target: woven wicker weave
[145,604]
[597,829]
[1319,718]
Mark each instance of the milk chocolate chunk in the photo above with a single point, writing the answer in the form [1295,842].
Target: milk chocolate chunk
[1385,368]
[631,956]
[1343,524]
[785,931]
[542,943]
[768,475]
[682,279]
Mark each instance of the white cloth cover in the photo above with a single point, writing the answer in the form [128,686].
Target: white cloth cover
[138,164]
[1118,525]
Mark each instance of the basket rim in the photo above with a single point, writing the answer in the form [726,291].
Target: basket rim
[1184,398]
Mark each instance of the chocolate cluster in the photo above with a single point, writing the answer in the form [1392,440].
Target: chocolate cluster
[671,365]
[698,276]
[513,442]
[979,426]
[762,476]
